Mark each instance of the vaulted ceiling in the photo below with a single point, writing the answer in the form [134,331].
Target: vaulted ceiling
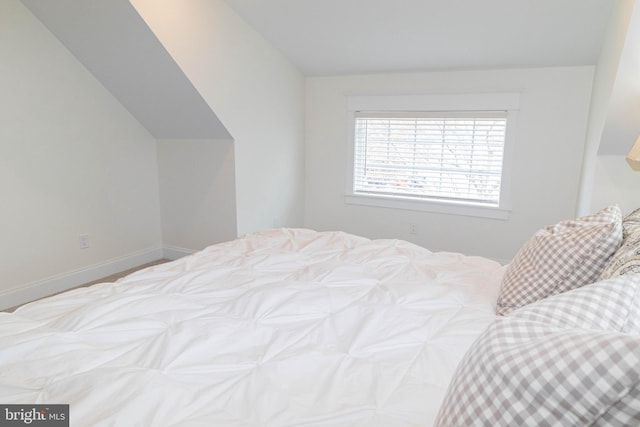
[329,37]
[325,37]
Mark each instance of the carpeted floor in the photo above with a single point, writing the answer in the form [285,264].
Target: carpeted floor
[111,278]
[121,274]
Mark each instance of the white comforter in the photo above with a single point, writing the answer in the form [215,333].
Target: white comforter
[278,328]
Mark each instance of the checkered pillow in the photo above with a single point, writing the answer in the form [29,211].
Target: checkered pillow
[609,305]
[569,360]
[626,260]
[560,257]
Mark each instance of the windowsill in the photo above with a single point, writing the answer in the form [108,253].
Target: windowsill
[451,208]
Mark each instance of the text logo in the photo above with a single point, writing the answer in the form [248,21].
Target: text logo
[34,415]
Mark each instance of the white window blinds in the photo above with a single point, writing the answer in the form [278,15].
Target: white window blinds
[450,156]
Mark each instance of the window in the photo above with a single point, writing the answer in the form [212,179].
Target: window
[430,155]
[446,161]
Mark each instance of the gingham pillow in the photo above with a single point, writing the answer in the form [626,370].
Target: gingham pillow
[626,260]
[560,257]
[569,360]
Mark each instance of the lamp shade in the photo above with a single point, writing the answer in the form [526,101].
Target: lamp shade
[633,157]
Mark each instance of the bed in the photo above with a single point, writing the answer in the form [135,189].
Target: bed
[284,327]
[294,327]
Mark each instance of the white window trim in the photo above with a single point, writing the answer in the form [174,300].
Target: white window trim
[503,101]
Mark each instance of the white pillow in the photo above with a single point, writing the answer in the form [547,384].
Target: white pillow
[560,257]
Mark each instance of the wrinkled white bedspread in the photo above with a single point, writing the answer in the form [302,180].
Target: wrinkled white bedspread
[279,328]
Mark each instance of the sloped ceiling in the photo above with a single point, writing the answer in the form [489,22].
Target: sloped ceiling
[331,37]
[325,37]
[622,124]
[115,44]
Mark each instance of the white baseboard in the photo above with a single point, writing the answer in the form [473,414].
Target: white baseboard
[175,252]
[61,282]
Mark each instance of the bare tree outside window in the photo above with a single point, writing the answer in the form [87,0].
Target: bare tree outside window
[449,158]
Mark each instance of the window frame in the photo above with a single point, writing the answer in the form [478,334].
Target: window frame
[474,102]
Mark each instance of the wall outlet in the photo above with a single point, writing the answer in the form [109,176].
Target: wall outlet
[413,229]
[84,241]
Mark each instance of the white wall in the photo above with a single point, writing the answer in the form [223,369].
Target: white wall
[546,165]
[255,92]
[610,179]
[590,196]
[197,193]
[72,161]
[615,183]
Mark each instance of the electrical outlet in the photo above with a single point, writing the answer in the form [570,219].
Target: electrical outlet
[84,241]
[413,229]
